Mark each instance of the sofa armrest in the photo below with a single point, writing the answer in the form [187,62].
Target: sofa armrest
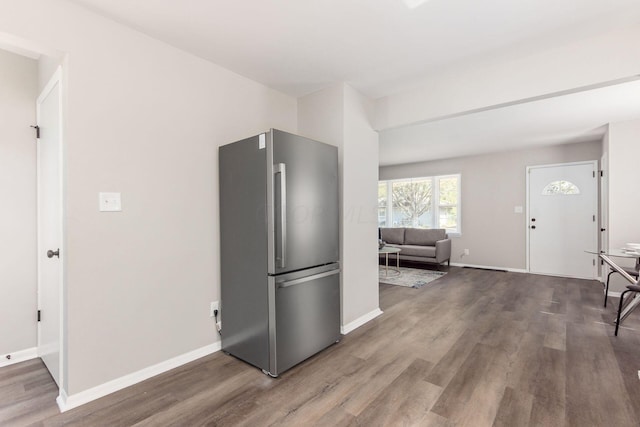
[443,250]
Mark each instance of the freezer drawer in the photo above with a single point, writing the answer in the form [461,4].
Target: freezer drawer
[307,318]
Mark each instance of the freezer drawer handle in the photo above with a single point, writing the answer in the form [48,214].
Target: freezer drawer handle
[307,279]
[281,169]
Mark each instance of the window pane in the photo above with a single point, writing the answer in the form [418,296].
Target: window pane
[449,191]
[560,188]
[382,217]
[411,202]
[382,204]
[449,218]
[382,194]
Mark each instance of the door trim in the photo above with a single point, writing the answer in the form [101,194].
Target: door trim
[594,163]
[603,240]
[56,78]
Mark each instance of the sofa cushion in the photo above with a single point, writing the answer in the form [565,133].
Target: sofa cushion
[419,236]
[417,250]
[393,235]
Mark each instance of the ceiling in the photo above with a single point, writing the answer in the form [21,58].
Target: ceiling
[381,47]
[376,46]
[576,117]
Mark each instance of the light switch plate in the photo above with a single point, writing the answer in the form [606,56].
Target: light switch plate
[110,202]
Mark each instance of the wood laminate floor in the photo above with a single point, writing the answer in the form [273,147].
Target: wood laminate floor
[474,348]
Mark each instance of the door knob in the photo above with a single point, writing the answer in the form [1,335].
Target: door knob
[51,254]
[533,226]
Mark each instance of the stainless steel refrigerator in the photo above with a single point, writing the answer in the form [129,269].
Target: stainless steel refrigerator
[279,249]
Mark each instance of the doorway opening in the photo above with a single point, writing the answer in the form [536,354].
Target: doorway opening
[31,141]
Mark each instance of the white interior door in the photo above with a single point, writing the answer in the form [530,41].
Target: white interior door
[562,219]
[49,226]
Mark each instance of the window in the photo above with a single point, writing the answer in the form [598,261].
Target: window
[382,204]
[430,202]
[560,188]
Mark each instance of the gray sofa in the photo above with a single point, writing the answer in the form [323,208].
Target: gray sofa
[416,244]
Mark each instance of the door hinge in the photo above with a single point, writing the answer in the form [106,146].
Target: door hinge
[39,317]
[37,128]
[601,173]
[594,174]
[594,218]
[594,262]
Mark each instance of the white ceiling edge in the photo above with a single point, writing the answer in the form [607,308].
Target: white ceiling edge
[591,136]
[551,95]
[28,48]
[17,46]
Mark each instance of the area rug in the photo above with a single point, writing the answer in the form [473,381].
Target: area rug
[409,277]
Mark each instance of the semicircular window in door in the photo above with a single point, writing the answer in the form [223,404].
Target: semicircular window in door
[560,188]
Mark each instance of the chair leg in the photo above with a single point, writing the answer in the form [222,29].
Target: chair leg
[620,311]
[606,288]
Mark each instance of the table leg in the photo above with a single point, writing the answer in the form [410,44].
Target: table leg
[386,268]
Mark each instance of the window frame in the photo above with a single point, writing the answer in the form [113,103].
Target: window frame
[436,205]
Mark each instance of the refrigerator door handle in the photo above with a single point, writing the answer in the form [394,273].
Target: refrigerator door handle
[307,279]
[281,169]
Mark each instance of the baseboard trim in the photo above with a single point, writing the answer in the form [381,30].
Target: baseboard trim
[66,402]
[351,326]
[18,356]
[490,267]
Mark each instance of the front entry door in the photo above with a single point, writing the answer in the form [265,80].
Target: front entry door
[49,226]
[562,219]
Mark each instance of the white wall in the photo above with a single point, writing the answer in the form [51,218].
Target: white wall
[47,66]
[624,202]
[18,268]
[360,202]
[522,74]
[321,117]
[340,116]
[492,185]
[143,119]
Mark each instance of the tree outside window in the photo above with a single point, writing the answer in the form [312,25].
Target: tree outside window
[411,201]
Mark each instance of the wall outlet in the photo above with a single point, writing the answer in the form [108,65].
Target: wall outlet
[215,305]
[466,252]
